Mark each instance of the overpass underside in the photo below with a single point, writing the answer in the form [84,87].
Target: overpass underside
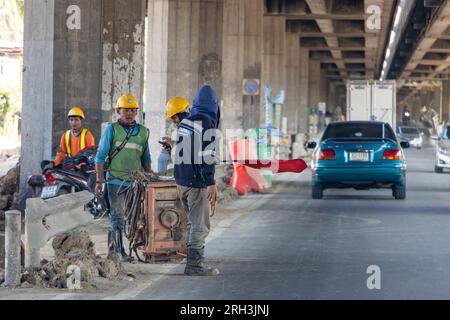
[89,52]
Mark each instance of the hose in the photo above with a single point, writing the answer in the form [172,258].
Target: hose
[135,210]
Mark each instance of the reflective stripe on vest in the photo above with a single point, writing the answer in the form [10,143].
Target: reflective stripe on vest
[83,141]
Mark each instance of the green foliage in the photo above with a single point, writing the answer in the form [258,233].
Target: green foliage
[4,102]
[20,7]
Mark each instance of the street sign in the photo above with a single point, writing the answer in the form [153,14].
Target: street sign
[322,107]
[250,87]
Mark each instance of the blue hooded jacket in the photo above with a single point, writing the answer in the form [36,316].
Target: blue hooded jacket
[204,115]
[206,104]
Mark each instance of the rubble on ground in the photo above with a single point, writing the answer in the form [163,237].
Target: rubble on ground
[225,192]
[75,248]
[2,276]
[9,191]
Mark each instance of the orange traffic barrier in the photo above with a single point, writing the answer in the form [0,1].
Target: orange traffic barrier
[244,178]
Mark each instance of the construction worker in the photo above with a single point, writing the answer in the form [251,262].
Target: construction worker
[124,149]
[73,141]
[176,110]
[195,177]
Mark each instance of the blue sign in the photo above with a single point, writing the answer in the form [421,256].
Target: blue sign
[250,87]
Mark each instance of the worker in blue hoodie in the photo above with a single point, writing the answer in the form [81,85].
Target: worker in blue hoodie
[194,174]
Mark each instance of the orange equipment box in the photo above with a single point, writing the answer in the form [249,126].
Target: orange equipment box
[166,221]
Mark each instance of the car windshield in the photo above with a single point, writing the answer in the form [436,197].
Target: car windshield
[409,130]
[358,131]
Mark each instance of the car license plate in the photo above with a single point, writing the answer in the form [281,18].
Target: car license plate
[359,156]
[49,192]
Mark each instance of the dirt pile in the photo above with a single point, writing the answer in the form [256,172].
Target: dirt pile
[225,192]
[9,191]
[77,249]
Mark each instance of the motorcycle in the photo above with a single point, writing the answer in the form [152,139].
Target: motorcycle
[76,174]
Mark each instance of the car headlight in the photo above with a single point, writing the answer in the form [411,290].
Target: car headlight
[443,151]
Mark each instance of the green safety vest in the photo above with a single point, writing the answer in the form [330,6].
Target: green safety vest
[128,160]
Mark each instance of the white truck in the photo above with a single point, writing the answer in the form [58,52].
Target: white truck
[372,100]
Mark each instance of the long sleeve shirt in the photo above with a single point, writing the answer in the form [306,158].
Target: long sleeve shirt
[105,147]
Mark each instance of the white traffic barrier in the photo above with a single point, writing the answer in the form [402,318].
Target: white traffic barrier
[12,248]
[45,219]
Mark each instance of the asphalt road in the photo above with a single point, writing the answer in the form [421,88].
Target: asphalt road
[293,247]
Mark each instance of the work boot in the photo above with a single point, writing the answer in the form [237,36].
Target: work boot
[195,265]
[111,243]
[123,257]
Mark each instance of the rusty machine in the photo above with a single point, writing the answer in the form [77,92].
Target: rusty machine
[155,222]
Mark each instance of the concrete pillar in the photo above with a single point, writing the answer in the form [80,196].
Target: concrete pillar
[122,41]
[304,91]
[242,55]
[184,52]
[12,248]
[76,64]
[293,93]
[323,87]
[332,99]
[314,83]
[274,58]
[446,100]
[37,100]
[67,65]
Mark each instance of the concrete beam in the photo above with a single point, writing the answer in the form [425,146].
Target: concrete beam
[334,34]
[341,49]
[345,60]
[326,16]
[326,27]
[437,27]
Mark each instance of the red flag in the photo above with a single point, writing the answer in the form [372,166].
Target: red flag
[277,166]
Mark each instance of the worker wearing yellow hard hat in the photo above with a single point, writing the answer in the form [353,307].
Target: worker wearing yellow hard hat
[122,151]
[177,109]
[72,141]
[176,106]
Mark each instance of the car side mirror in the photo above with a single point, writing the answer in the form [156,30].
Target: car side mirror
[312,145]
[404,144]
[435,137]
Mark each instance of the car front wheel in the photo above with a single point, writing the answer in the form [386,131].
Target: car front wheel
[438,170]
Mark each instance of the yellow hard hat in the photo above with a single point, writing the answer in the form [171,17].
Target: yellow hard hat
[127,102]
[176,105]
[76,112]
